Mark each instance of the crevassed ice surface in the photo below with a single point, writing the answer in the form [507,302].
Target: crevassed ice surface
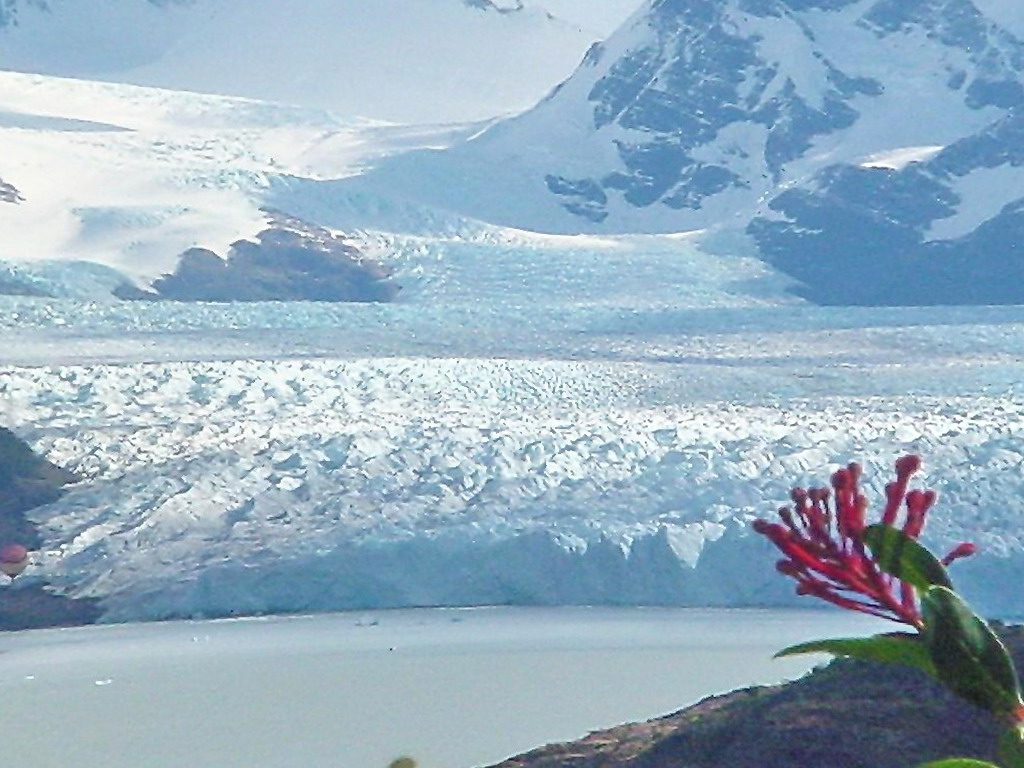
[536,421]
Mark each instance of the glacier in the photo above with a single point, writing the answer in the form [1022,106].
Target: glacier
[543,423]
[539,418]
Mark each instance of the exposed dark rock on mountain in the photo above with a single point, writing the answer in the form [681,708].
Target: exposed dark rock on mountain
[8,12]
[289,261]
[9,194]
[716,85]
[852,233]
[28,481]
[847,715]
[488,5]
[33,606]
[864,235]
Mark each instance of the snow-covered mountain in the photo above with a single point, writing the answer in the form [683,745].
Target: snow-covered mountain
[883,133]
[424,61]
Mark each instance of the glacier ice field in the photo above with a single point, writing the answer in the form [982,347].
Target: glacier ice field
[536,421]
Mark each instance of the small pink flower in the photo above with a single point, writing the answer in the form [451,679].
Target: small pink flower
[822,539]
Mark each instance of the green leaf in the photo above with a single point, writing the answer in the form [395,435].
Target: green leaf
[959,762]
[1011,748]
[901,556]
[889,649]
[969,658]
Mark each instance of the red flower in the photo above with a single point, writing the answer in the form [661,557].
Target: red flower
[822,538]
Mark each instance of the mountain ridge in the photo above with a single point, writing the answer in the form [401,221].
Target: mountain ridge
[767,118]
[663,94]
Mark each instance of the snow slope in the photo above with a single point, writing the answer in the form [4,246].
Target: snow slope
[424,61]
[601,16]
[127,177]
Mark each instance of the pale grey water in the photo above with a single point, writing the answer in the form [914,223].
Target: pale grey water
[453,688]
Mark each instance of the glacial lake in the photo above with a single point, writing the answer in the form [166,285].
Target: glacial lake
[452,688]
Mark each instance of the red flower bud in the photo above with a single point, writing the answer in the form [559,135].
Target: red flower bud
[893,499]
[964,549]
[841,480]
[906,466]
[917,506]
[789,568]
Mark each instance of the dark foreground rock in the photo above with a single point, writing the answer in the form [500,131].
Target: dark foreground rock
[847,715]
[34,606]
[291,260]
[28,481]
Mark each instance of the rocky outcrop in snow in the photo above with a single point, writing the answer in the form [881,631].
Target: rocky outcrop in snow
[489,5]
[9,193]
[946,229]
[290,261]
